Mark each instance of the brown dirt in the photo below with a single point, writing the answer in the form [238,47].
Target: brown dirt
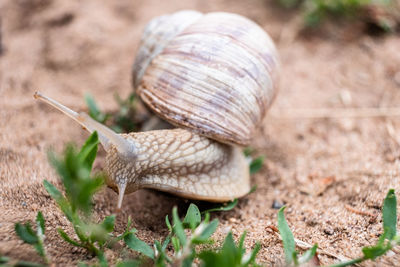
[323,169]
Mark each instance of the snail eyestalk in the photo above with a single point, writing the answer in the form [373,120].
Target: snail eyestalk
[121,193]
[106,135]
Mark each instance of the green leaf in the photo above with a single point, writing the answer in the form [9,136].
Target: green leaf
[208,230]
[53,191]
[188,261]
[177,227]
[289,245]
[4,260]
[295,258]
[26,264]
[94,111]
[168,223]
[26,233]
[390,214]
[256,164]
[108,223]
[29,236]
[40,250]
[225,207]
[229,250]
[175,243]
[229,255]
[166,242]
[65,236]
[206,217]
[59,199]
[129,263]
[102,259]
[192,218]
[138,245]
[210,259]
[308,255]
[241,242]
[253,254]
[371,253]
[347,263]
[248,151]
[162,258]
[40,223]
[127,230]
[252,189]
[84,195]
[88,151]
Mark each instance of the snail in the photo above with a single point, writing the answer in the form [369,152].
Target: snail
[213,76]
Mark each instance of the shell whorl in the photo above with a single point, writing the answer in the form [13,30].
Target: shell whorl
[156,35]
[213,73]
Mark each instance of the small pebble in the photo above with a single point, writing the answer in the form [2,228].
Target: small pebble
[311,221]
[276,205]
[329,231]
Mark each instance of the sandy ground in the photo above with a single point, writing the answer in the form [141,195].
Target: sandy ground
[323,169]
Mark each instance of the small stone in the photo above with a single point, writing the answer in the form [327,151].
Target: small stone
[329,231]
[276,205]
[311,221]
[232,220]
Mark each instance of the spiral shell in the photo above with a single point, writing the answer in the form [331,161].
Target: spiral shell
[212,73]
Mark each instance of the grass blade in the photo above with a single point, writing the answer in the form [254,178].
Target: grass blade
[40,223]
[26,233]
[138,245]
[252,256]
[88,151]
[168,223]
[94,111]
[65,236]
[347,263]
[390,214]
[177,227]
[206,233]
[308,255]
[61,201]
[289,245]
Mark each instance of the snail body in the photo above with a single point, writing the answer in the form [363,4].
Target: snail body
[212,75]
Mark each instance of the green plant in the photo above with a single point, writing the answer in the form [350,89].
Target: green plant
[315,11]
[74,169]
[36,239]
[122,121]
[230,254]
[255,163]
[76,202]
[289,245]
[386,242]
[184,245]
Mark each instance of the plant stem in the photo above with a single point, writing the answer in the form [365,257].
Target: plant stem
[347,263]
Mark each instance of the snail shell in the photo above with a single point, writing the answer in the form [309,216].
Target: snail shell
[211,73]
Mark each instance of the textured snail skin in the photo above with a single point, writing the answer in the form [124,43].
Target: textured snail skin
[180,162]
